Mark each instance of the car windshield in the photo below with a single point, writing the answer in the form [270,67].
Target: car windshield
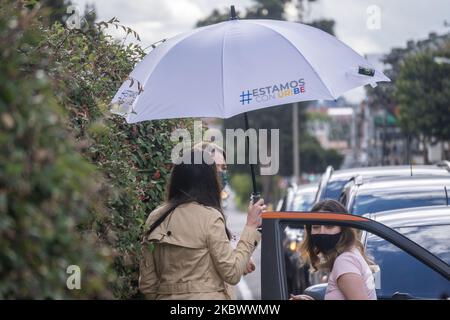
[400,272]
[303,202]
[333,189]
[377,201]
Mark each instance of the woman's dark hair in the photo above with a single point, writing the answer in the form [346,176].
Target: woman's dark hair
[195,181]
[329,206]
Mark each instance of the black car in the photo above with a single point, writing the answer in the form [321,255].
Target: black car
[362,196]
[407,269]
[332,182]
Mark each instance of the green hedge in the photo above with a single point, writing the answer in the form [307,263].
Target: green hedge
[109,174]
[47,189]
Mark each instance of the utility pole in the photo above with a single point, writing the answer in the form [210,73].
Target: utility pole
[296,149]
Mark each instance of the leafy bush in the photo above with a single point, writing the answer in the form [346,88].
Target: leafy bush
[83,70]
[47,189]
[135,159]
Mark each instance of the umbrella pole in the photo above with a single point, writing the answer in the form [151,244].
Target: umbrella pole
[255,195]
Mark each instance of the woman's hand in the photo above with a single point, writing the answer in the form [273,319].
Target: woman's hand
[300,297]
[254,213]
[250,267]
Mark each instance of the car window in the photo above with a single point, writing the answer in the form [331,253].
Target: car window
[333,189]
[435,239]
[382,201]
[303,202]
[299,275]
[399,272]
[297,280]
[288,201]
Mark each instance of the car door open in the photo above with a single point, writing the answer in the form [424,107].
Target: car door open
[274,284]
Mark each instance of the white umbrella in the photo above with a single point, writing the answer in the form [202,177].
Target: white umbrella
[237,66]
[241,65]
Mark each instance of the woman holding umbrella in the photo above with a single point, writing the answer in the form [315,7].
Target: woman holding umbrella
[186,249]
[220,159]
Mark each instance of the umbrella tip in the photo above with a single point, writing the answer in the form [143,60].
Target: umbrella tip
[233,13]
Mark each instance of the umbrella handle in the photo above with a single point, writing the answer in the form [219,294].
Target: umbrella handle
[254,198]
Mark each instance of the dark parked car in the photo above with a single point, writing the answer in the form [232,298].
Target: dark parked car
[362,196]
[332,182]
[406,268]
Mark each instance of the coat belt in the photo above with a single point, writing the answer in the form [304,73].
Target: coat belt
[188,287]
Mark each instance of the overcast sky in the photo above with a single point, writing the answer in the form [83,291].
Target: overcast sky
[356,20]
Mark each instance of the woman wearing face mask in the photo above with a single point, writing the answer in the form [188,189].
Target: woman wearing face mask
[186,251]
[337,250]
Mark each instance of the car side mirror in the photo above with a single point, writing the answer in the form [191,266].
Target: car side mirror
[317,291]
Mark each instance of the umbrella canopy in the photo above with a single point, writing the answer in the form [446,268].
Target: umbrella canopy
[237,66]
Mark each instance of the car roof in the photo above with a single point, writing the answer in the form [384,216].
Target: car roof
[389,171]
[389,183]
[306,188]
[412,217]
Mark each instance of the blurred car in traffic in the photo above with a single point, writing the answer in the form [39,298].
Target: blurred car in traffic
[426,186]
[362,196]
[298,198]
[332,182]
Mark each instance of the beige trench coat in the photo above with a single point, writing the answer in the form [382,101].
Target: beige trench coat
[189,256]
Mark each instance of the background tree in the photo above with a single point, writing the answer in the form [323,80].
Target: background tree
[388,97]
[422,91]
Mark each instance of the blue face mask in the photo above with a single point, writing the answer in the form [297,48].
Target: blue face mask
[223,179]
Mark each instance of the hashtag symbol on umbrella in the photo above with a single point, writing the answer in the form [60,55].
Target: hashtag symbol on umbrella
[246,97]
